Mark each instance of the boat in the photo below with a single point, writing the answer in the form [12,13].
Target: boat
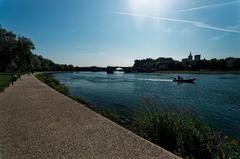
[190,80]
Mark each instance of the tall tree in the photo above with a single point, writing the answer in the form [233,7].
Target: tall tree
[24,53]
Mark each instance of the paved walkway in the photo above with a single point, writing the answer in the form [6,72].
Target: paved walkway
[38,122]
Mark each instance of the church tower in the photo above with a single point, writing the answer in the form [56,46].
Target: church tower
[190,57]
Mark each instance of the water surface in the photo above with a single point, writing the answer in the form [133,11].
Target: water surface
[213,98]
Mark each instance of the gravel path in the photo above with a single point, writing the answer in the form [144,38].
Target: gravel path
[38,122]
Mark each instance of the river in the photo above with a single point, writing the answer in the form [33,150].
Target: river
[214,98]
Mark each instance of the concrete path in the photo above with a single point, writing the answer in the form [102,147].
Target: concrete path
[38,122]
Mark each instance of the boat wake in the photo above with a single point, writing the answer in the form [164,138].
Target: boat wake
[155,80]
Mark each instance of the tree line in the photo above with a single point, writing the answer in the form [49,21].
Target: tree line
[16,54]
[164,64]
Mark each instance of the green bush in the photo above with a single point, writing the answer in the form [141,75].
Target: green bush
[80,99]
[180,133]
[55,84]
[115,117]
[231,148]
[5,80]
[48,79]
[184,135]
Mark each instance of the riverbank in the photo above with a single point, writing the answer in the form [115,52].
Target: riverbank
[38,122]
[181,134]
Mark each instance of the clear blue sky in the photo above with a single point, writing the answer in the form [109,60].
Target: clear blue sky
[116,32]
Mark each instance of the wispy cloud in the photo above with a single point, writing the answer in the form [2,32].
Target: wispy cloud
[194,23]
[210,6]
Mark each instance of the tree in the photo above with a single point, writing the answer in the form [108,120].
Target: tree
[24,53]
[36,63]
[7,46]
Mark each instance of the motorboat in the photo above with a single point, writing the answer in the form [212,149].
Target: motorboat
[181,80]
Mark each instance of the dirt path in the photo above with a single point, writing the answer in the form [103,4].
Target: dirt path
[38,122]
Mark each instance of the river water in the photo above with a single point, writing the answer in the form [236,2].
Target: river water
[214,98]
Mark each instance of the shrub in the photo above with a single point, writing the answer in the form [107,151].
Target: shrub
[55,84]
[80,99]
[184,135]
[5,80]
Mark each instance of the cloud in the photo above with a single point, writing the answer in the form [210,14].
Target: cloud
[210,6]
[194,23]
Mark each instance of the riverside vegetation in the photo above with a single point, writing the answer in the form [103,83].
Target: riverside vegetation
[180,133]
[5,80]
[16,55]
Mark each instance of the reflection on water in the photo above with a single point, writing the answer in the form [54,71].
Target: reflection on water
[215,98]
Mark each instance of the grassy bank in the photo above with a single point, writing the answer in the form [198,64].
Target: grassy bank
[5,80]
[50,81]
[184,135]
[179,133]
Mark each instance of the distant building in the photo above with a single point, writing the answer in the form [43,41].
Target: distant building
[190,57]
[197,57]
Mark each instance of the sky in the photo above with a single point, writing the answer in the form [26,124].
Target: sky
[116,32]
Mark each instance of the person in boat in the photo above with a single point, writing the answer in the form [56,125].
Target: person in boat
[179,78]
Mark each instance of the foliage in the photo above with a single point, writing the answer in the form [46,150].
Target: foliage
[113,116]
[15,52]
[47,78]
[16,55]
[184,136]
[5,80]
[231,147]
[151,65]
[80,99]
[181,134]
[55,84]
